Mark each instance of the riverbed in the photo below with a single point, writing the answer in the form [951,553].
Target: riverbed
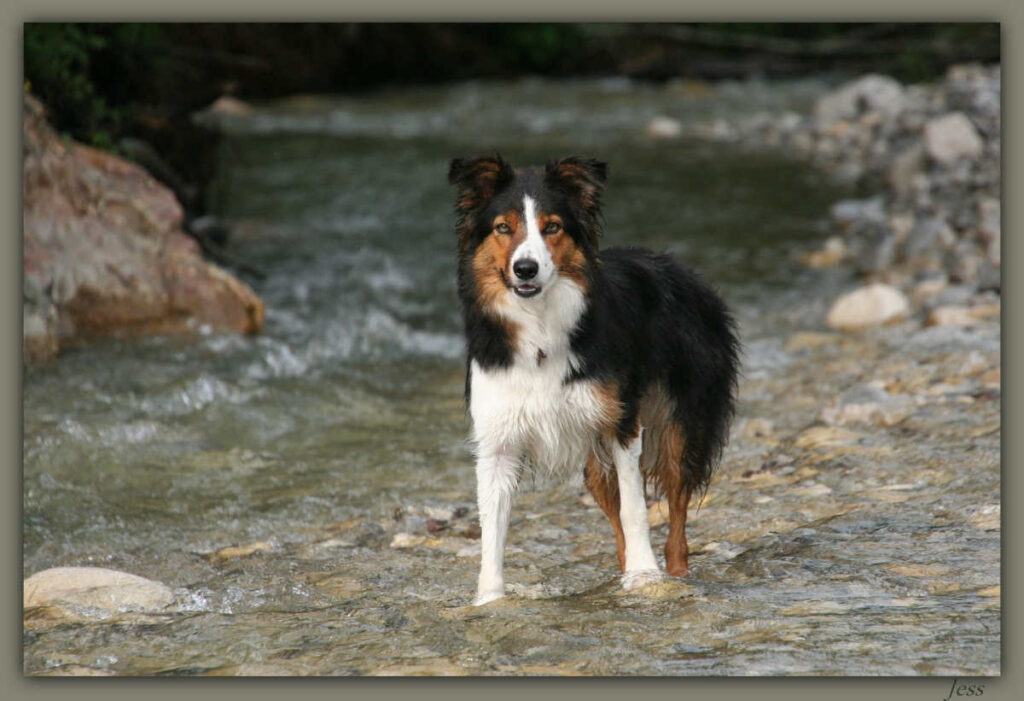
[308,493]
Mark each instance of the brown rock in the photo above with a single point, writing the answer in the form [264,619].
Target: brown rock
[830,255]
[104,251]
[956,315]
[235,551]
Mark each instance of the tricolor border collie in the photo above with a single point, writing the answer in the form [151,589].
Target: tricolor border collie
[619,361]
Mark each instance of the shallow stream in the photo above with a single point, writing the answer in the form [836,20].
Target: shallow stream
[331,452]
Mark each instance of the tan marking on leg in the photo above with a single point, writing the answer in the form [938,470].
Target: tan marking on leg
[605,488]
[670,471]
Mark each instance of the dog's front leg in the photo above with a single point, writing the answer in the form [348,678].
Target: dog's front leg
[496,477]
[641,567]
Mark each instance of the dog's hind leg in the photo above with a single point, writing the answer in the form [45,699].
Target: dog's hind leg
[677,493]
[641,567]
[496,478]
[605,489]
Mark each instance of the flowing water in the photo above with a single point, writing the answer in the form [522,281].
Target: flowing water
[331,450]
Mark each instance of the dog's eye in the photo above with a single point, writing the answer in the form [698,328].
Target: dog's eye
[552,228]
[503,228]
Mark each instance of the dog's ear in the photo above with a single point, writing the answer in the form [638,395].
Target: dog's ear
[582,180]
[477,180]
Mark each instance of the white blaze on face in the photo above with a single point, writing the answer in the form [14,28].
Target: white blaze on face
[533,246]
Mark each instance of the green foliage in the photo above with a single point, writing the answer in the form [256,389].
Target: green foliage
[57,62]
[84,73]
[541,47]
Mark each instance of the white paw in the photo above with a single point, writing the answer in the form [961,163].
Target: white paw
[641,578]
[487,597]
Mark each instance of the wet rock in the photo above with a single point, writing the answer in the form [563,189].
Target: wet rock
[816,608]
[417,540]
[409,540]
[951,315]
[871,93]
[951,137]
[220,110]
[989,219]
[989,274]
[825,437]
[812,490]
[758,429]
[95,588]
[723,550]
[956,294]
[905,167]
[868,404]
[468,551]
[324,549]
[226,104]
[232,552]
[717,130]
[928,289]
[536,591]
[917,570]
[987,518]
[847,212]
[993,379]
[831,254]
[435,526]
[440,513]
[871,305]
[339,584]
[104,251]
[804,340]
[662,127]
[927,236]
[874,246]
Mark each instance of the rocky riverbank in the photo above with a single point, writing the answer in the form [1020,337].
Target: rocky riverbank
[104,251]
[927,236]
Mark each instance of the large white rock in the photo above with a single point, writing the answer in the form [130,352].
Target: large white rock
[872,93]
[662,127]
[951,137]
[95,587]
[871,305]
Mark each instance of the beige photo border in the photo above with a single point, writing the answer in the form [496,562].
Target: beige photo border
[15,685]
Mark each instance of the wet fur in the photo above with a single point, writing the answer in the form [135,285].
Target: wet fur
[638,345]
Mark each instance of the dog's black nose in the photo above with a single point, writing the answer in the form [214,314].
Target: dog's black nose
[525,268]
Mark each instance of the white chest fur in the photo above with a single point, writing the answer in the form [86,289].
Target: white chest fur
[526,409]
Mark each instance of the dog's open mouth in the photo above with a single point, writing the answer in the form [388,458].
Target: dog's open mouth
[526,289]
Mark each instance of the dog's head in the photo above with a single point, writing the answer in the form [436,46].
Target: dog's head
[519,229]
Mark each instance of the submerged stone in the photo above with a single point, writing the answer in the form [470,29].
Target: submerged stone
[95,587]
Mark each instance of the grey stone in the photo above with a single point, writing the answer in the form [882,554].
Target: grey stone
[951,137]
[870,93]
[846,212]
[928,236]
[875,246]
